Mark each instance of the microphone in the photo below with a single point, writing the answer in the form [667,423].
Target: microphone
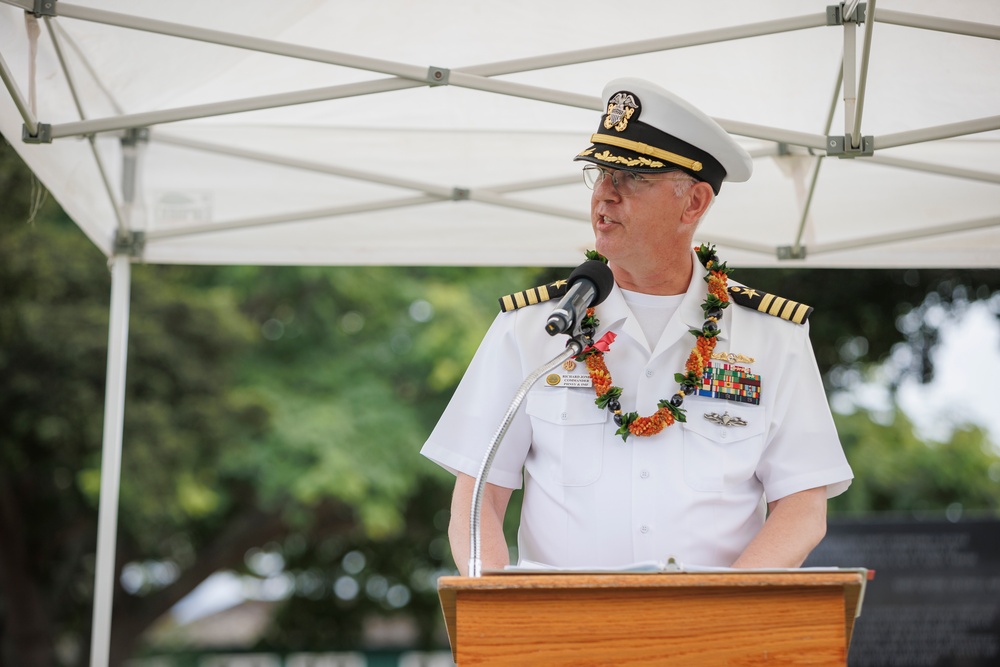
[589,284]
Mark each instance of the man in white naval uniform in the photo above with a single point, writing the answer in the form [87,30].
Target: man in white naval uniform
[742,477]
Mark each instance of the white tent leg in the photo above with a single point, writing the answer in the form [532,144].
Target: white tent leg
[111,460]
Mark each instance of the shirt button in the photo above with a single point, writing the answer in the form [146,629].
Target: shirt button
[564,415]
[723,434]
[643,528]
[649,372]
[644,474]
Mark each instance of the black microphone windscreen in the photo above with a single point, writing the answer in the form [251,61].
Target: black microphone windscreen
[598,273]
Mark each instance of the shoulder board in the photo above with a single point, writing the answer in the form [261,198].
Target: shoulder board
[530,297]
[786,309]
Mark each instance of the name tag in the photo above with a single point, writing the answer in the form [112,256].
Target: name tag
[574,380]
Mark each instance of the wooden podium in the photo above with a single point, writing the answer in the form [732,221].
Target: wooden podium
[794,617]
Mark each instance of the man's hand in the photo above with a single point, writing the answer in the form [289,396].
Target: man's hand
[795,525]
[493,546]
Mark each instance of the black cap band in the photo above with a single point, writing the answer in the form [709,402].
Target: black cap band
[634,154]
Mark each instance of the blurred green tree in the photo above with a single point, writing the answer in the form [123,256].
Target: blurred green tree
[896,471]
[275,408]
[183,409]
[861,315]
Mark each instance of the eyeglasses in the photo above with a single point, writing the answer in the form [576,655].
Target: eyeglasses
[626,183]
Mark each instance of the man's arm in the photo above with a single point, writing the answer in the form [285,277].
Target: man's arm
[795,525]
[493,546]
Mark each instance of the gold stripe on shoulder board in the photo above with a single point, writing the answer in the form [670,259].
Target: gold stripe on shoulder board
[786,309]
[530,297]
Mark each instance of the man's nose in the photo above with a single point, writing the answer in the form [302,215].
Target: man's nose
[606,190]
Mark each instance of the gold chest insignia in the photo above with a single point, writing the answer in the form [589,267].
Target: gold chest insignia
[620,110]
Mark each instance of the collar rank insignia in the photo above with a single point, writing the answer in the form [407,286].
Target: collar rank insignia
[786,309]
[530,297]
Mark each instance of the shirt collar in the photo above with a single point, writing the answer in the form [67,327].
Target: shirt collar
[615,315]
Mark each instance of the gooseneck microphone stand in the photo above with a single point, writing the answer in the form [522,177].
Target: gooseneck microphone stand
[573,348]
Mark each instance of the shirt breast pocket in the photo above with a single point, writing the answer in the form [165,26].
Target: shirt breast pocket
[567,435]
[717,456]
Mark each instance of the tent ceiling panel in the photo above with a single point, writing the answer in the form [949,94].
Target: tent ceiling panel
[463,233]
[308,149]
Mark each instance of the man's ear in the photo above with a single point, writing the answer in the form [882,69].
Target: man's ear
[699,199]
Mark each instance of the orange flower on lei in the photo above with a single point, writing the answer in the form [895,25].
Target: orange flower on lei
[668,411]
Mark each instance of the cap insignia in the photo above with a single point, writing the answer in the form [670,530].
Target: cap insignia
[621,107]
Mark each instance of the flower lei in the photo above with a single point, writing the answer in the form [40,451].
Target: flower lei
[668,411]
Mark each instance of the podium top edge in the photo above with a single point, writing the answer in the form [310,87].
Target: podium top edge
[808,577]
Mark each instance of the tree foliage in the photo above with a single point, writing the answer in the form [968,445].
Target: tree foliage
[895,471]
[273,407]
[182,410]
[861,315]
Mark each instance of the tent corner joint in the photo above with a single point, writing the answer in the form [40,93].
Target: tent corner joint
[836,15]
[787,252]
[129,243]
[43,8]
[841,147]
[42,135]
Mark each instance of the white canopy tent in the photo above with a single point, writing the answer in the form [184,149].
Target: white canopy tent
[309,132]
[442,132]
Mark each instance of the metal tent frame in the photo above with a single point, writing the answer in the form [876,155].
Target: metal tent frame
[140,130]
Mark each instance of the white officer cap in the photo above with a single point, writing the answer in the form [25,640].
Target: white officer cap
[648,129]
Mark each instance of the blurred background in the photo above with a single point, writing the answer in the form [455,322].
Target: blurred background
[274,509]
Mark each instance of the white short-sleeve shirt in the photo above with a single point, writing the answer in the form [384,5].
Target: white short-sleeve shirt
[697,491]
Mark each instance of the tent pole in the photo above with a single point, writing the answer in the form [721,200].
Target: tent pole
[807,205]
[402,70]
[930,168]
[333,170]
[954,26]
[19,101]
[246,223]
[484,196]
[909,235]
[863,76]
[111,458]
[148,118]
[79,109]
[777,135]
[370,177]
[655,45]
[743,244]
[127,246]
[937,132]
[850,75]
[305,165]
[417,72]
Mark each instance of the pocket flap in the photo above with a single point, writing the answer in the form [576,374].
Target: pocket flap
[568,406]
[704,419]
